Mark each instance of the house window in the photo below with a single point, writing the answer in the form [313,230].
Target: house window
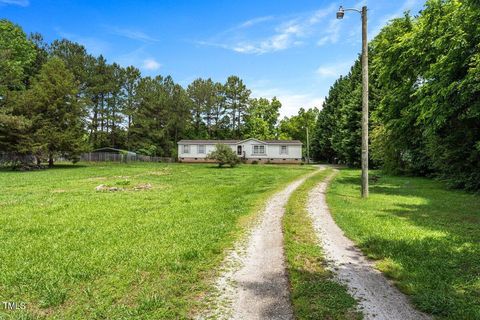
[283,150]
[259,149]
[201,148]
[186,148]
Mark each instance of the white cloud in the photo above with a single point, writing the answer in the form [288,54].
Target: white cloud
[275,43]
[21,3]
[132,34]
[334,70]
[141,59]
[287,33]
[326,72]
[254,21]
[291,102]
[285,37]
[93,45]
[151,64]
[320,14]
[332,33]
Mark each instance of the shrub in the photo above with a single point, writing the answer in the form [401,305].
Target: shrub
[223,154]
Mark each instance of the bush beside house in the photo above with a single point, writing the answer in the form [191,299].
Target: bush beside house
[223,155]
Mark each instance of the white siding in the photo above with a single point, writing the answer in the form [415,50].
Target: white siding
[272,151]
[194,150]
[248,149]
[293,151]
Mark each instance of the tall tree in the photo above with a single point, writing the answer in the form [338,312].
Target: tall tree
[202,93]
[261,118]
[115,103]
[236,100]
[56,112]
[424,91]
[178,107]
[132,78]
[17,56]
[77,60]
[219,119]
[295,127]
[149,131]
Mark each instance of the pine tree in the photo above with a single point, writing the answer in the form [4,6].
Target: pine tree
[56,112]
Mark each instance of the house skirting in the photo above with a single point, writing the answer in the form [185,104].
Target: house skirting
[274,160]
[248,160]
[192,160]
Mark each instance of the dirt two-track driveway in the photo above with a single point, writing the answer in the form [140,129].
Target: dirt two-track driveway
[254,284]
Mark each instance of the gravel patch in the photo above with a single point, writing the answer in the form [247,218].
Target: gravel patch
[253,283]
[377,296]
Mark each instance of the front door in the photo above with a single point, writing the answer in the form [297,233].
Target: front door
[239,150]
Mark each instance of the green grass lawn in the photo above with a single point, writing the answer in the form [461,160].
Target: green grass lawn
[425,237]
[315,295]
[70,252]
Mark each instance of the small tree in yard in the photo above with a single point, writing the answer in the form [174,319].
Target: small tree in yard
[223,154]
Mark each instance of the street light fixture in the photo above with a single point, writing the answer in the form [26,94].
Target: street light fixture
[340,13]
[363,12]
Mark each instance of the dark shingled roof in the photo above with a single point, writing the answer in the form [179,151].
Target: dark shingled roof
[209,141]
[237,141]
[283,141]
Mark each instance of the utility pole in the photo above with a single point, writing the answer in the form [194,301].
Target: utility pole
[364,104]
[363,12]
[308,148]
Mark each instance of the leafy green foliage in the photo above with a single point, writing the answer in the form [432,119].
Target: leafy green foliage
[424,89]
[236,101]
[17,55]
[261,119]
[56,113]
[295,127]
[223,155]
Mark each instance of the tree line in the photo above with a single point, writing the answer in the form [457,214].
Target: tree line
[424,98]
[57,99]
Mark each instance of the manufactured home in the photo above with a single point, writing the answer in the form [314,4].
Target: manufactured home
[249,150]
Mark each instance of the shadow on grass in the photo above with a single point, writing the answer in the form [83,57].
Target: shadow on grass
[67,166]
[55,167]
[318,296]
[452,211]
[441,272]
[220,168]
[438,274]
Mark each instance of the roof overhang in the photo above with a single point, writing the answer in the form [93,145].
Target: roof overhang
[252,139]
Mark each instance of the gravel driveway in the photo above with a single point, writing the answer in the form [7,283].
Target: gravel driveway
[377,296]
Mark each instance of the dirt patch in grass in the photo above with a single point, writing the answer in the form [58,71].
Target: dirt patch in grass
[138,187]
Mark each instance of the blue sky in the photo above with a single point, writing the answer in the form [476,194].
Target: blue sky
[290,49]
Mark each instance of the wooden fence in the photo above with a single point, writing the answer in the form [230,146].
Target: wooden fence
[8,159]
[116,157]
